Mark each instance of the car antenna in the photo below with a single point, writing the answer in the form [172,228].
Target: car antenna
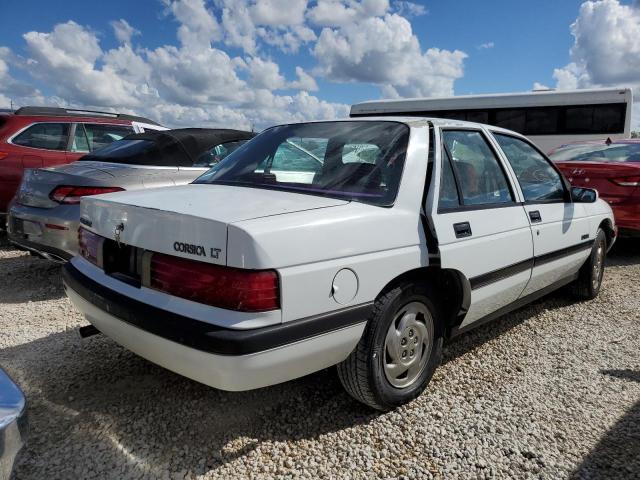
[608,141]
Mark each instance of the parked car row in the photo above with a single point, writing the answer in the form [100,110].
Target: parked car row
[613,168]
[44,216]
[363,243]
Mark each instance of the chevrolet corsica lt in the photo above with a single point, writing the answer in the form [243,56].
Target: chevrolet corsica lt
[363,243]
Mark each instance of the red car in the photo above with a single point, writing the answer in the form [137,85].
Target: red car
[35,137]
[613,168]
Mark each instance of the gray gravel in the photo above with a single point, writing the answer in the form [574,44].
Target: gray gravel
[551,391]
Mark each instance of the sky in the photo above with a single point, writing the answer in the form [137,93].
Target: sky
[255,63]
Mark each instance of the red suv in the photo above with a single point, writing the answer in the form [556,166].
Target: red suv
[35,137]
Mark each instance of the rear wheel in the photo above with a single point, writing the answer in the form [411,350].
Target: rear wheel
[589,281]
[398,352]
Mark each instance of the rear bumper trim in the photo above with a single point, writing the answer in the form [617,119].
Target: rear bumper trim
[204,336]
[50,253]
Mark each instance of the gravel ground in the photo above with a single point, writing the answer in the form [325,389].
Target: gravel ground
[550,391]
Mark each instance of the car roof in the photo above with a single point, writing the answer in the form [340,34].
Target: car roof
[413,121]
[73,113]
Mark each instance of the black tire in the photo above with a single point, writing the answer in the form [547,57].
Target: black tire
[363,375]
[587,286]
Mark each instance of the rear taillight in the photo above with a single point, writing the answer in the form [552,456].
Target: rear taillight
[627,181]
[219,286]
[71,195]
[90,246]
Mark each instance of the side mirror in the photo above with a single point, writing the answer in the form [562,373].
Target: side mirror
[583,195]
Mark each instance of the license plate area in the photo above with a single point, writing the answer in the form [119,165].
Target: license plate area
[20,226]
[124,262]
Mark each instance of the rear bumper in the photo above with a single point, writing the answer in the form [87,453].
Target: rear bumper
[225,358]
[53,233]
[13,423]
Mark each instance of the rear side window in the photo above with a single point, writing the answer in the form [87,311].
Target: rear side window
[477,170]
[539,181]
[48,136]
[448,191]
[79,142]
[100,135]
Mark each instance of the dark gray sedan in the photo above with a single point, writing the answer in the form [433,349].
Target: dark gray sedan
[44,215]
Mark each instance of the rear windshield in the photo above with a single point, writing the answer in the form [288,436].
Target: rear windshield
[140,152]
[360,161]
[616,152]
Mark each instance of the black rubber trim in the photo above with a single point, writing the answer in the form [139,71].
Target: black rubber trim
[502,273]
[519,303]
[563,252]
[37,248]
[204,336]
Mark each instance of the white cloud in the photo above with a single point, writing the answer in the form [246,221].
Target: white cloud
[384,51]
[69,54]
[485,46]
[289,39]
[123,31]
[196,82]
[606,49]
[304,81]
[278,13]
[264,74]
[199,27]
[539,86]
[409,9]
[339,13]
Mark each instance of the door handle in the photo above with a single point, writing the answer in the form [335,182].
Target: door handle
[535,216]
[462,229]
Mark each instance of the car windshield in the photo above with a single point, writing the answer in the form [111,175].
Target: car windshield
[615,152]
[354,160]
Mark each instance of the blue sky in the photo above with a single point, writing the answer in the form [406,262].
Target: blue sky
[477,47]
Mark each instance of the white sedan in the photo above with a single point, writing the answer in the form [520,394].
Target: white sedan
[364,243]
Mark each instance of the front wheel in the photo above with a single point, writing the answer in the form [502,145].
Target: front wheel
[398,352]
[589,281]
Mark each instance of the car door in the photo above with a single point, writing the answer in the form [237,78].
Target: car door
[481,227]
[560,227]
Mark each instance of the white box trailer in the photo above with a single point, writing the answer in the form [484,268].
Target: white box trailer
[550,118]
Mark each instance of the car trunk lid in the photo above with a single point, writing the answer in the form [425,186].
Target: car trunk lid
[188,221]
[37,184]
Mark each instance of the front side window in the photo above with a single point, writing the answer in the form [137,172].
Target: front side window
[539,181]
[49,136]
[217,153]
[355,160]
[477,170]
[101,135]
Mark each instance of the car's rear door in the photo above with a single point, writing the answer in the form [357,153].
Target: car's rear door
[560,227]
[481,227]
